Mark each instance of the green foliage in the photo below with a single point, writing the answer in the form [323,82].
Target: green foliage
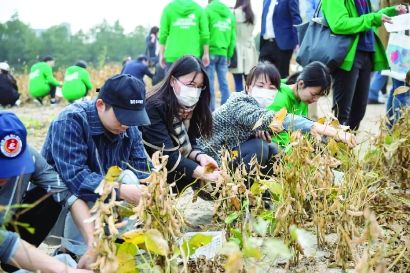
[21,46]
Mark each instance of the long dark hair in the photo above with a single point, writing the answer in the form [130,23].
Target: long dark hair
[154,30]
[247,9]
[163,95]
[267,70]
[313,75]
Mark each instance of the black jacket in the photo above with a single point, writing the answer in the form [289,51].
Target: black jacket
[159,135]
[8,90]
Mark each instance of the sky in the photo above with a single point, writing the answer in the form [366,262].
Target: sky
[85,14]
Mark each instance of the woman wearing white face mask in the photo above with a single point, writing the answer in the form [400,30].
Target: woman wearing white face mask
[234,121]
[179,112]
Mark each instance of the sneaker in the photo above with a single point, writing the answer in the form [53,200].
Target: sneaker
[17,103]
[38,101]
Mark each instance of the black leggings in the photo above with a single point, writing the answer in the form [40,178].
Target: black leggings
[351,90]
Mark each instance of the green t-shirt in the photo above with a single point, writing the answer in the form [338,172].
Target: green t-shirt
[286,98]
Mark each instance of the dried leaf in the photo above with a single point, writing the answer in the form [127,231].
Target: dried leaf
[113,174]
[335,123]
[281,115]
[155,242]
[236,203]
[400,90]
[135,237]
[321,120]
[210,168]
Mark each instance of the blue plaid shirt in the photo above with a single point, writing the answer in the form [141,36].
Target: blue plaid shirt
[81,150]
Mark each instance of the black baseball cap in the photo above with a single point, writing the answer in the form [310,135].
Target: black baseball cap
[126,95]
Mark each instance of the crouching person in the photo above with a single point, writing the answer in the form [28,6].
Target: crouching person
[89,137]
[20,166]
[179,114]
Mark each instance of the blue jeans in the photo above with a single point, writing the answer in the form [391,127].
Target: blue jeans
[220,65]
[73,241]
[238,79]
[377,83]
[390,106]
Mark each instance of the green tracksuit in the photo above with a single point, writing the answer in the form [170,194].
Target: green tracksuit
[222,29]
[76,83]
[183,30]
[41,77]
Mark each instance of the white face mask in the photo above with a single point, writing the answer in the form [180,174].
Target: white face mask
[188,96]
[263,96]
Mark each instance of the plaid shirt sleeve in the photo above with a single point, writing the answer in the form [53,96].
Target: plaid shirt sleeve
[69,152]
[138,158]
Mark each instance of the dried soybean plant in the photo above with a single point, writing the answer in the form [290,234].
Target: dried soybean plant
[105,217]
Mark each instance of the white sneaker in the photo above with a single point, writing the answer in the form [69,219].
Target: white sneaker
[17,103]
[37,102]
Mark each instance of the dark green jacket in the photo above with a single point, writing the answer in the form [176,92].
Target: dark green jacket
[343,18]
[222,29]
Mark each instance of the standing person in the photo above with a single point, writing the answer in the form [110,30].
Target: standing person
[42,81]
[9,94]
[222,42]
[179,114]
[22,166]
[245,42]
[138,68]
[89,137]
[152,47]
[301,90]
[367,54]
[183,31]
[278,34]
[77,82]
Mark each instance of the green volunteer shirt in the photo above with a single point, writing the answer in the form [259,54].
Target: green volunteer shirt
[76,83]
[41,77]
[286,99]
[221,28]
[183,29]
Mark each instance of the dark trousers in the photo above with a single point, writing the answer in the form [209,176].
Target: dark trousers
[9,97]
[239,79]
[263,151]
[255,147]
[269,51]
[52,93]
[351,90]
[42,218]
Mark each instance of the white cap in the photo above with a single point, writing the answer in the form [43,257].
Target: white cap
[4,66]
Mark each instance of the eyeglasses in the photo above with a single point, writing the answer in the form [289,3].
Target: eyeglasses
[203,87]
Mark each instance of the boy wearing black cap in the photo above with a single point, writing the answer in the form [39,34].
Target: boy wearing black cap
[20,165]
[89,137]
